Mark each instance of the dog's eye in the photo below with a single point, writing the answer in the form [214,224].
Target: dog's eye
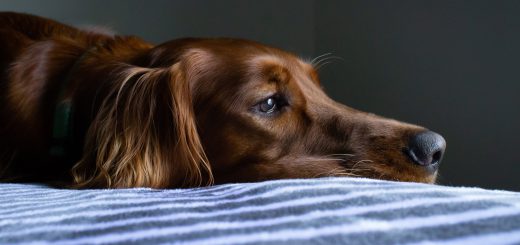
[268,105]
[271,105]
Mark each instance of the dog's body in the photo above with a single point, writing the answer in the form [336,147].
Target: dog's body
[94,110]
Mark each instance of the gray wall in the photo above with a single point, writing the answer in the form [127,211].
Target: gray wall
[452,66]
[161,20]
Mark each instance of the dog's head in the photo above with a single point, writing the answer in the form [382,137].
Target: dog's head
[247,112]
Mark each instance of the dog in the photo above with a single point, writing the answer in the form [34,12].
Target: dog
[90,109]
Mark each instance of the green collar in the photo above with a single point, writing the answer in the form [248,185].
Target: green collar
[62,129]
[63,120]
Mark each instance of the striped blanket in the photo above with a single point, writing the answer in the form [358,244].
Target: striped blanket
[317,211]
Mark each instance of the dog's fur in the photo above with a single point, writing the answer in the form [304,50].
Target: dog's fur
[188,112]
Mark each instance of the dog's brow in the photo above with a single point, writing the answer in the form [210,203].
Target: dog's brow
[308,70]
[313,74]
[266,58]
[261,62]
[271,67]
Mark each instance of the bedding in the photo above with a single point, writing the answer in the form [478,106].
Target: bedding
[301,211]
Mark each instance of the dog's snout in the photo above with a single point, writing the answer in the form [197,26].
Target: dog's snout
[426,148]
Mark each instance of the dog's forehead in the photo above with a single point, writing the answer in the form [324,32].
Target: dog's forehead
[279,59]
[280,66]
[285,66]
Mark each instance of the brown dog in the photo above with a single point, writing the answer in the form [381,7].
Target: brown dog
[94,110]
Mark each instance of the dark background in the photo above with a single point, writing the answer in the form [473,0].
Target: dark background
[452,66]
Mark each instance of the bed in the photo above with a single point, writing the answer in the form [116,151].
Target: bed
[300,211]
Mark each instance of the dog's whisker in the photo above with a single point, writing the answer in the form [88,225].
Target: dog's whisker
[344,172]
[323,65]
[317,58]
[365,161]
[336,172]
[329,59]
[342,155]
[326,58]
[323,160]
[349,175]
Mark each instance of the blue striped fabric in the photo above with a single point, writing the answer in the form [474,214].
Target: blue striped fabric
[311,211]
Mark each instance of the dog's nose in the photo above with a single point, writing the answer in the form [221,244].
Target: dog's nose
[426,148]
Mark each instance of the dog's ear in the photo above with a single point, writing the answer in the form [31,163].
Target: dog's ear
[145,134]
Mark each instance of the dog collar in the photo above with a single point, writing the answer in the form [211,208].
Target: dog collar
[62,129]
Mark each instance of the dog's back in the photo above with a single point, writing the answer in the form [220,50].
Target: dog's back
[35,52]
[37,57]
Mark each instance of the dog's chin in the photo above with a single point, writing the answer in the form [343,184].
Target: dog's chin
[391,175]
[419,177]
